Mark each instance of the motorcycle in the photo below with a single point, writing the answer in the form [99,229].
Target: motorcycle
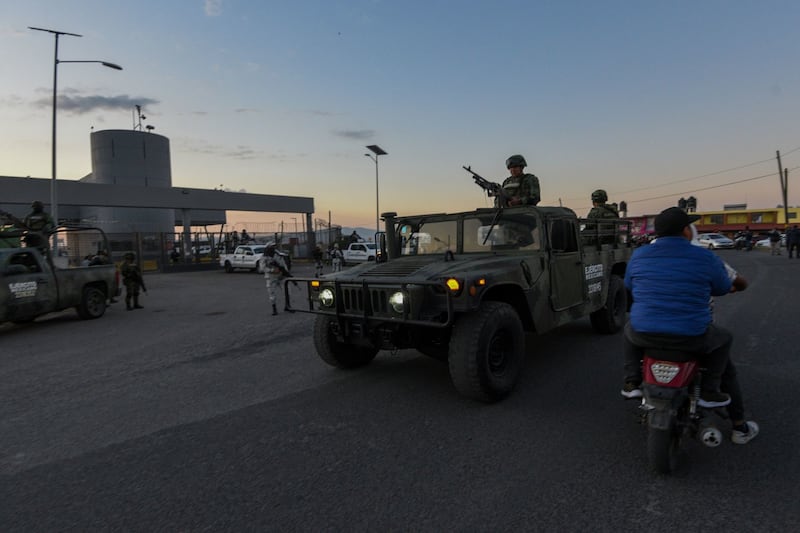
[671,393]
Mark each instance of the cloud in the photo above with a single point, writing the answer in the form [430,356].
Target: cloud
[80,104]
[359,135]
[199,146]
[213,8]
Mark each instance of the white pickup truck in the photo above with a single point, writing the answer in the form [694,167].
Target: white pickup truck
[245,256]
[360,252]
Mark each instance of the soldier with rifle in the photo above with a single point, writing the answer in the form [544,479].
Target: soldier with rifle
[36,227]
[275,270]
[518,189]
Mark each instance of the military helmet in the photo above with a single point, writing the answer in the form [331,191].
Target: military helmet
[37,205]
[599,196]
[130,255]
[516,161]
[270,244]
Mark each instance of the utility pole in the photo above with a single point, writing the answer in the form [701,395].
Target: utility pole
[783,177]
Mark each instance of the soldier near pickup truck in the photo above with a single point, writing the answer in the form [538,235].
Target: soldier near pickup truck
[132,278]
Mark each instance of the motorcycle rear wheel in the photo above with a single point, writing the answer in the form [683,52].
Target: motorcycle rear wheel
[663,446]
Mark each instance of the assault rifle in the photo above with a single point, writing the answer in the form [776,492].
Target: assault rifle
[492,188]
[14,220]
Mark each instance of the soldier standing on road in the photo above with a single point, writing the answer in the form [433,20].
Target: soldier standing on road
[337,258]
[521,188]
[132,278]
[774,242]
[793,241]
[317,254]
[274,272]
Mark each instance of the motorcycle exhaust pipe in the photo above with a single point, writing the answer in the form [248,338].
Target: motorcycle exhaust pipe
[711,436]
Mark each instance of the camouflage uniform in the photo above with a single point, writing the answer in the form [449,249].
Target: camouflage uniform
[40,224]
[337,258]
[38,219]
[603,211]
[317,261]
[132,279]
[522,187]
[275,270]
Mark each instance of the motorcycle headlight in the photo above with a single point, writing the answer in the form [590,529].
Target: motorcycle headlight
[326,297]
[397,301]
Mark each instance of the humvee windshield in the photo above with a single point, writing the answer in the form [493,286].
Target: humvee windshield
[509,233]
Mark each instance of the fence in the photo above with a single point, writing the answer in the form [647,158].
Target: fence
[165,252]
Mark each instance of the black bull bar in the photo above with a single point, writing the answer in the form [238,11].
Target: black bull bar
[368,301]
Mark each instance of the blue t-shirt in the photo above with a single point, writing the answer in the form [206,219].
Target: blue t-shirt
[671,281]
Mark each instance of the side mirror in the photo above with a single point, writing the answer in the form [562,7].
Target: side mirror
[380,254]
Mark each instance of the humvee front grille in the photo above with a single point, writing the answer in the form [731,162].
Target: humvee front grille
[353,300]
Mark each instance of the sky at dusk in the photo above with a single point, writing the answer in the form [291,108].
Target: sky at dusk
[648,100]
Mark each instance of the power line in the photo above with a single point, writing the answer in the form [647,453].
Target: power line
[746,165]
[771,174]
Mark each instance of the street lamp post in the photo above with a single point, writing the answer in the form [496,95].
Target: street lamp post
[56,61]
[378,151]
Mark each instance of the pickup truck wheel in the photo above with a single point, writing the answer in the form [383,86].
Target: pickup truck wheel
[611,317]
[487,352]
[228,267]
[93,303]
[339,354]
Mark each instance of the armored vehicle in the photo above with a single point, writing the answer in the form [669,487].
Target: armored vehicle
[467,287]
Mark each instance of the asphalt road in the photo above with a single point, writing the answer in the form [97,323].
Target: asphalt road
[203,412]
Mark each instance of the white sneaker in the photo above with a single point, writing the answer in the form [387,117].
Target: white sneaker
[631,390]
[742,437]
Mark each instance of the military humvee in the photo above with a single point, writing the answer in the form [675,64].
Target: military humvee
[466,287]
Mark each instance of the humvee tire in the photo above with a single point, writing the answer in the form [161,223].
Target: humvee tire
[486,354]
[611,318]
[339,354]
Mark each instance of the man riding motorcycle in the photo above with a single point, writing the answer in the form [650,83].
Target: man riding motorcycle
[672,282]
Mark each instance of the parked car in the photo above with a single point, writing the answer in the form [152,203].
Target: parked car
[359,252]
[201,251]
[764,243]
[715,241]
[245,256]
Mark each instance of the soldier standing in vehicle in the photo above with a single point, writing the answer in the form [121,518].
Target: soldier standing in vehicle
[39,221]
[600,209]
[132,278]
[520,188]
[275,271]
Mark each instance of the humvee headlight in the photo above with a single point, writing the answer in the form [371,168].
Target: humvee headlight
[453,285]
[397,301]
[326,297]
